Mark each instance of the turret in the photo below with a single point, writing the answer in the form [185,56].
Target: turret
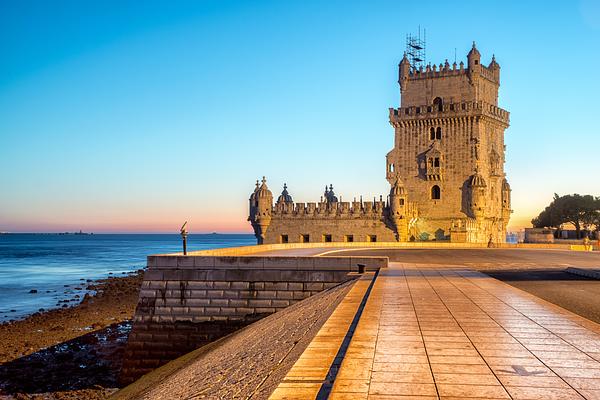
[495,68]
[478,195]
[403,72]
[330,197]
[261,203]
[284,197]
[398,203]
[474,58]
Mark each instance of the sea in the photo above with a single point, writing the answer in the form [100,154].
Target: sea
[44,271]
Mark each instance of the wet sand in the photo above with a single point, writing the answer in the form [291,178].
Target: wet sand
[72,352]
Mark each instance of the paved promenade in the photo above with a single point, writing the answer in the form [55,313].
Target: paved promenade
[428,332]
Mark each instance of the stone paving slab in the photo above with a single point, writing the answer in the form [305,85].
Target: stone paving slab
[429,332]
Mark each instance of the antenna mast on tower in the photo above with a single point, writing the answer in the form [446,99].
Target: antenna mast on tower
[415,49]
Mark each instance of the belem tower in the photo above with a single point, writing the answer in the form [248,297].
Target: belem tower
[446,170]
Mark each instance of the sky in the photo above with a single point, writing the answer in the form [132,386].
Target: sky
[129,116]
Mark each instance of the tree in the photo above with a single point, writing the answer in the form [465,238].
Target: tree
[591,219]
[581,211]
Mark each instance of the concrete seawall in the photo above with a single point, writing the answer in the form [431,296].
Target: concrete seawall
[188,301]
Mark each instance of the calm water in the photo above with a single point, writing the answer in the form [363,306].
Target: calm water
[47,263]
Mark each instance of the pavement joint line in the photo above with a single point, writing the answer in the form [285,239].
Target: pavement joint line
[306,331]
[467,335]
[327,385]
[309,372]
[461,327]
[573,318]
[515,338]
[421,331]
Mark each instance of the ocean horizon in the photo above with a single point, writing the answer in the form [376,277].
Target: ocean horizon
[39,270]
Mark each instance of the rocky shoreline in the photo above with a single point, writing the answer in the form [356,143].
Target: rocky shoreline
[70,352]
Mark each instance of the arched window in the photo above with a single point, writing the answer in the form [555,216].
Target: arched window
[432,133]
[438,133]
[438,104]
[436,162]
[436,193]
[401,202]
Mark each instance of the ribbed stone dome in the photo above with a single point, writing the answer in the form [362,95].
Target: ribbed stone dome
[477,180]
[263,190]
[285,197]
[397,188]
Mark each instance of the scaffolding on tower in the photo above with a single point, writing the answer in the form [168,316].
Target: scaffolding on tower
[415,49]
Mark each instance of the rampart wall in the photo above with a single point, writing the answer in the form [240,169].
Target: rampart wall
[188,301]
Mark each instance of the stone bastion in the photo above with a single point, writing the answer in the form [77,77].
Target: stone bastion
[187,301]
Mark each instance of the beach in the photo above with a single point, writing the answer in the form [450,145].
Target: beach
[72,352]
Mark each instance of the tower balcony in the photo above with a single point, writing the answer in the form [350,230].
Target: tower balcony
[448,110]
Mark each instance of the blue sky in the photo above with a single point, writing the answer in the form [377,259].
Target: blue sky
[135,116]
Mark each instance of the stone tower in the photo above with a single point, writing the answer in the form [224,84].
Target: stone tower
[449,150]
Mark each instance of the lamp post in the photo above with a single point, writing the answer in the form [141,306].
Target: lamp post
[184,237]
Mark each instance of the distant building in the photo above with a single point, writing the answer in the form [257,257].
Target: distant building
[446,169]
[539,235]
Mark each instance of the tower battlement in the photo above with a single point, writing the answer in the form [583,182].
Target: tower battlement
[491,72]
[425,112]
[472,82]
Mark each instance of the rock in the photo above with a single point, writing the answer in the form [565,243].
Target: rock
[33,291]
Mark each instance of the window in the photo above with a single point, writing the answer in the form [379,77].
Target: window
[418,110]
[349,238]
[432,133]
[435,192]
[391,168]
[401,202]
[438,104]
[283,239]
[327,238]
[436,162]
[305,238]
[371,238]
[438,133]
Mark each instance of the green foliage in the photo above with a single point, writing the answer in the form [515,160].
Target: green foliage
[581,211]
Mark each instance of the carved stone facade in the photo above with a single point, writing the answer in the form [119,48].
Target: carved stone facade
[446,169]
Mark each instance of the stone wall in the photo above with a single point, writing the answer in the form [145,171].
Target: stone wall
[188,301]
[340,228]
